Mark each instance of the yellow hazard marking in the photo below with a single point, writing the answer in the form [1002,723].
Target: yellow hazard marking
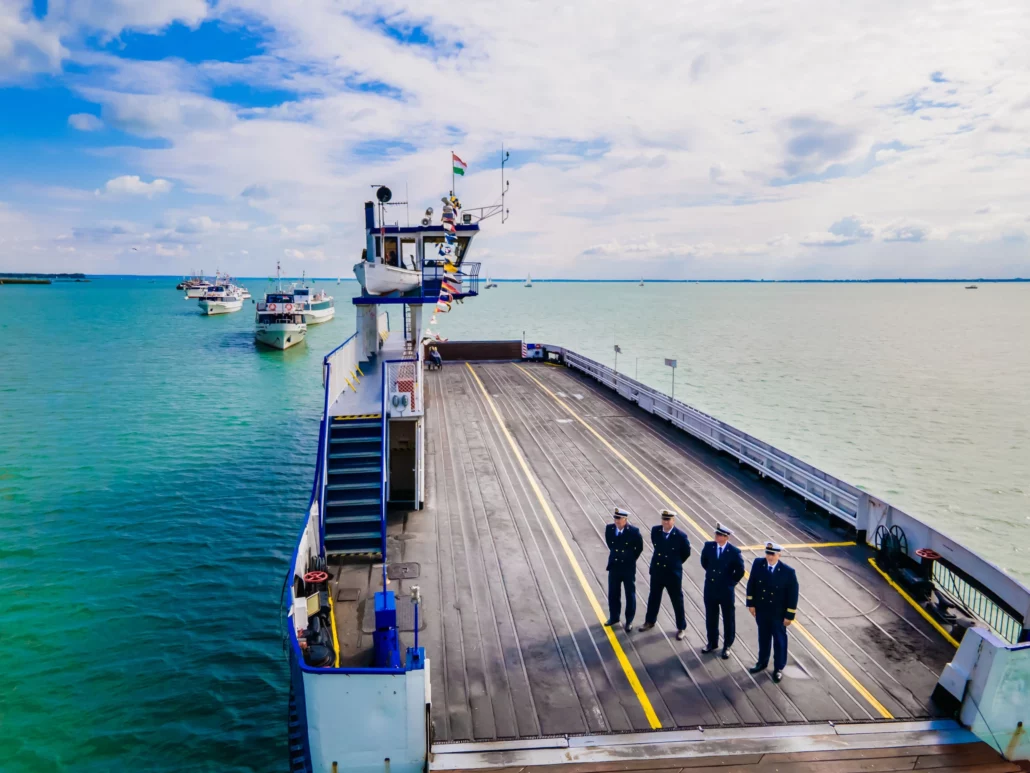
[332,619]
[800,545]
[918,607]
[358,369]
[620,654]
[349,384]
[359,416]
[837,665]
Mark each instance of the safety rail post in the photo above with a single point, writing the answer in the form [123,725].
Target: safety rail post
[386,468]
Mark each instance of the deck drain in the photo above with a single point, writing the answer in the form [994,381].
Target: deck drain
[348,594]
[405,571]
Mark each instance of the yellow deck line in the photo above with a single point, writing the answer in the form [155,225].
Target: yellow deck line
[918,607]
[332,619]
[837,665]
[800,545]
[620,654]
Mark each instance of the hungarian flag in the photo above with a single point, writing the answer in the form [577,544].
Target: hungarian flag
[459,165]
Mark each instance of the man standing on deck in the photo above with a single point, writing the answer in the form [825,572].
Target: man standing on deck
[724,568]
[772,599]
[671,549]
[624,548]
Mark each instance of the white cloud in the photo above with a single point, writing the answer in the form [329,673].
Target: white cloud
[85,122]
[132,185]
[112,16]
[27,46]
[599,155]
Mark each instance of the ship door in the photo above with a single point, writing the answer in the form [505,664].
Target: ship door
[403,478]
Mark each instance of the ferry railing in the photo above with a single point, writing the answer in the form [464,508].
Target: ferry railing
[402,378]
[339,368]
[995,598]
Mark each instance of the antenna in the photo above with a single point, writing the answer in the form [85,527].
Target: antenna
[493,209]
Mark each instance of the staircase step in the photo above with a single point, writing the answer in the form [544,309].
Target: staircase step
[377,423]
[357,535]
[352,551]
[353,486]
[351,502]
[364,454]
[346,440]
[365,470]
[344,519]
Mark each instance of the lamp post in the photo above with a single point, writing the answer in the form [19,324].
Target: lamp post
[672,364]
[617,350]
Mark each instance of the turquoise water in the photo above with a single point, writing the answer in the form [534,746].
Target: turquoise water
[155,466]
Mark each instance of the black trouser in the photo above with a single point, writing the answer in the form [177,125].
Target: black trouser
[771,631]
[673,583]
[617,579]
[714,604]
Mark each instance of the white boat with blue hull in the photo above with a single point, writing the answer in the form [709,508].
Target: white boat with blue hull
[463,627]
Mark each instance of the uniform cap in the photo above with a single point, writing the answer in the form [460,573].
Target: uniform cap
[621,513]
[723,530]
[772,547]
[668,515]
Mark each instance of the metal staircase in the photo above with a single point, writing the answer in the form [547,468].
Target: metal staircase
[354,485]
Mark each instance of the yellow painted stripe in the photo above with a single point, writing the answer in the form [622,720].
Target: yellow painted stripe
[918,607]
[837,665]
[620,654]
[332,619]
[800,545]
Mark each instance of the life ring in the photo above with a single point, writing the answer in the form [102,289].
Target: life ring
[289,307]
[314,578]
[271,307]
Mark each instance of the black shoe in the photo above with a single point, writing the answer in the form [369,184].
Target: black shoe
[725,654]
[757,668]
[629,627]
[777,676]
[681,635]
[646,627]
[610,622]
[708,648]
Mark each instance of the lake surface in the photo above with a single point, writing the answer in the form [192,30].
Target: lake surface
[155,466]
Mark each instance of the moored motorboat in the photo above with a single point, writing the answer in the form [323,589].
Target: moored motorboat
[220,299]
[315,307]
[280,323]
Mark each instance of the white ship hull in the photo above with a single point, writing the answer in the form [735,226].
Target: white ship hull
[280,335]
[196,292]
[315,316]
[226,306]
[380,279]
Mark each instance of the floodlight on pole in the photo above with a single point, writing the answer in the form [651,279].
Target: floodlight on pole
[672,364]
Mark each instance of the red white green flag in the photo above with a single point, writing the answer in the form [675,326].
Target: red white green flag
[459,165]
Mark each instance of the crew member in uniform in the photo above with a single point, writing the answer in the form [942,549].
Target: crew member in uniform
[724,568]
[772,599]
[671,549]
[624,548]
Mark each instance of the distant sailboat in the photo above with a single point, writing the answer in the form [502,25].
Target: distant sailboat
[490,283]
[528,282]
[641,282]
[337,280]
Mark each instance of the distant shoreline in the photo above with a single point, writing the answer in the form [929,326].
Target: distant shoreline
[969,280]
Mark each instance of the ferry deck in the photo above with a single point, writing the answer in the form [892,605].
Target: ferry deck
[524,463]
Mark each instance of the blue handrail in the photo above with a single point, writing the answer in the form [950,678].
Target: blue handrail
[386,466]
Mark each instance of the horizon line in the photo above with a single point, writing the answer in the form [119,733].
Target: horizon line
[874,280]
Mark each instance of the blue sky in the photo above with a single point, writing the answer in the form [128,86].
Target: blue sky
[816,140]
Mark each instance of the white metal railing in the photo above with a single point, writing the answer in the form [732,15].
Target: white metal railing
[341,365]
[403,378]
[856,507]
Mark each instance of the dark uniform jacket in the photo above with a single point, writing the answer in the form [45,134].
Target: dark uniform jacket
[624,549]
[670,551]
[723,573]
[775,593]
